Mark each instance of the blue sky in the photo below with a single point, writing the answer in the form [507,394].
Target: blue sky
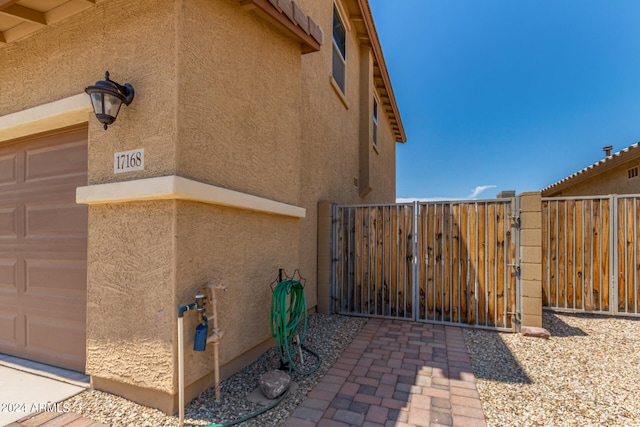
[508,94]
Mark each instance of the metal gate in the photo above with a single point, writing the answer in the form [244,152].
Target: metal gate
[448,262]
[591,254]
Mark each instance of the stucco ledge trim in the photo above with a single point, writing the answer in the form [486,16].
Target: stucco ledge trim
[178,188]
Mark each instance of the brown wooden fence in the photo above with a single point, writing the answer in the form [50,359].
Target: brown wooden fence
[626,254]
[590,253]
[576,253]
[442,262]
[374,265]
[467,263]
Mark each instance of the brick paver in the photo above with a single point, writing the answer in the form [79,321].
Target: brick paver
[397,373]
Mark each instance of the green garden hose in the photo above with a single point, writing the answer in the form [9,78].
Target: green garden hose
[284,330]
[253,414]
[286,320]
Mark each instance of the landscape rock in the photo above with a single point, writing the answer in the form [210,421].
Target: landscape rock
[274,383]
[532,331]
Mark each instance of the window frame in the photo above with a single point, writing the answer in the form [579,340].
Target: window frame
[375,119]
[336,52]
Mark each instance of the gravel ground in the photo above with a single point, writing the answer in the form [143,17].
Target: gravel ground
[326,335]
[587,374]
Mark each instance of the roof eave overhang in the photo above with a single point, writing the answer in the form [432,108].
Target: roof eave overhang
[393,113]
[289,17]
[24,21]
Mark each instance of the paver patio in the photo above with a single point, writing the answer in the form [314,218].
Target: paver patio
[396,373]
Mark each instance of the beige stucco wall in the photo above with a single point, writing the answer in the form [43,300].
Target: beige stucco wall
[331,128]
[239,101]
[222,97]
[241,250]
[130,295]
[78,51]
[239,127]
[131,276]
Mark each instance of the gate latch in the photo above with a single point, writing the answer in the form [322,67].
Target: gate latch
[517,267]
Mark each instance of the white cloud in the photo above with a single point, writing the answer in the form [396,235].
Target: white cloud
[480,189]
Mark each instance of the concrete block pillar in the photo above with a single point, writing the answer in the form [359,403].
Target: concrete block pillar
[324,257]
[531,258]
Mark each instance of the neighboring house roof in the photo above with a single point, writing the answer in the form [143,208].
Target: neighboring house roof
[597,168]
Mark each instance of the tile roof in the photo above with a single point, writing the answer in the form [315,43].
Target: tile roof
[598,167]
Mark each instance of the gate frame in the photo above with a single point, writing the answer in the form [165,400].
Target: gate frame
[512,221]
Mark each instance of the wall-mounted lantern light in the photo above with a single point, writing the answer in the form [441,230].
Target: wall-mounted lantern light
[107,96]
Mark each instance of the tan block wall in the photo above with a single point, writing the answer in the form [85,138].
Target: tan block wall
[531,258]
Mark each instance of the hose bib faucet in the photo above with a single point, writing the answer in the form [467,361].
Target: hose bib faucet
[202,330]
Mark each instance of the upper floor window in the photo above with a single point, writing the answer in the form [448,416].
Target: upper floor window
[339,50]
[375,121]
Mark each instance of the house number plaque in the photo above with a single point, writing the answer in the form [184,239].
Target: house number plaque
[128,161]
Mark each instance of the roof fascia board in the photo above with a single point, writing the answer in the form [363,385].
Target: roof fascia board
[306,32]
[367,17]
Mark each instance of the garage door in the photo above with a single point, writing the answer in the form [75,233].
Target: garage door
[43,249]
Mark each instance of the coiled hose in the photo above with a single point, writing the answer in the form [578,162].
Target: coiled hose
[285,322]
